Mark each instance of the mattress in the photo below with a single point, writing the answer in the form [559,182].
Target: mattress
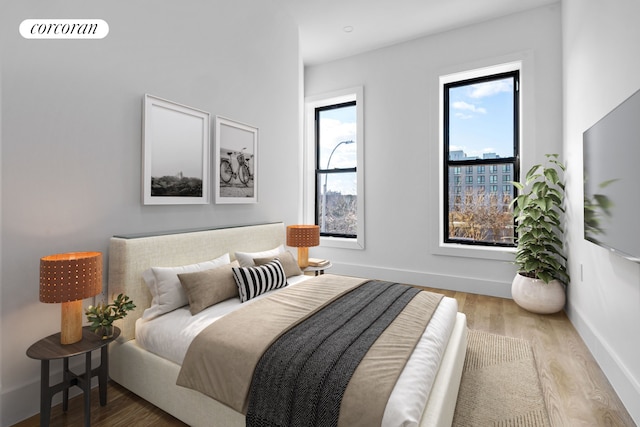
[170,335]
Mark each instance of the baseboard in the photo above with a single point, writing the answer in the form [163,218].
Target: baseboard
[621,379]
[441,281]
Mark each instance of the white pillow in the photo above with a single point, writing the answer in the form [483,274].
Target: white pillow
[245,259]
[166,291]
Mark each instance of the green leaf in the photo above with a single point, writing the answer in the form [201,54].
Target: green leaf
[538,188]
[608,182]
[552,175]
[518,185]
[545,276]
[535,215]
[532,173]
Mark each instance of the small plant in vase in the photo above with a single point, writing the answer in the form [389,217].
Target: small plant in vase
[102,316]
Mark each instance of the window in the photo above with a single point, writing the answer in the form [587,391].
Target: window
[336,167]
[333,196]
[481,126]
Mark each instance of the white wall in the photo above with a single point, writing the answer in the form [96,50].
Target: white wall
[71,138]
[401,145]
[601,69]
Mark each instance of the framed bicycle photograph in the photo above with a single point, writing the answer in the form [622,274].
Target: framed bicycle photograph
[176,159]
[236,156]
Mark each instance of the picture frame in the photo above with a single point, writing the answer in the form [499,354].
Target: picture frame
[236,158]
[176,153]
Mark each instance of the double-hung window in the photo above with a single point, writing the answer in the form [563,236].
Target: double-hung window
[336,170]
[334,196]
[480,129]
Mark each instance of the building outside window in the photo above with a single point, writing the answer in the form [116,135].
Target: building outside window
[480,129]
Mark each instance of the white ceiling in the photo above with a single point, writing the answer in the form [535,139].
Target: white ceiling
[379,23]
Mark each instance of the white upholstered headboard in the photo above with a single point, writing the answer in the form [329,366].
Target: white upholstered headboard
[130,256]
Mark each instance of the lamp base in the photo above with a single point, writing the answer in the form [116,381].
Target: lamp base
[303,257]
[71,325]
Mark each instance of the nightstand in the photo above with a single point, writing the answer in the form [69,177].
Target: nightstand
[315,271]
[49,348]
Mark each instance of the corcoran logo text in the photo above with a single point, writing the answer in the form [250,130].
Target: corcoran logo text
[64,29]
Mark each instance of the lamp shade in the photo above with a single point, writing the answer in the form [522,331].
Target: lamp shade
[68,279]
[303,236]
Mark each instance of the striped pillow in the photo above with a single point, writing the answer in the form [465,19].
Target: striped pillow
[256,280]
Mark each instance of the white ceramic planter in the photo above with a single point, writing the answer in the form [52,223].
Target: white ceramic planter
[536,296]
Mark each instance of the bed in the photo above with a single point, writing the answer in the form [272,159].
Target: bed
[148,366]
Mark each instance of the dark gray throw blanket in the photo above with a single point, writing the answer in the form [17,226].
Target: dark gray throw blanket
[301,378]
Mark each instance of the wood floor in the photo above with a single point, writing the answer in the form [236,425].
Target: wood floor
[576,391]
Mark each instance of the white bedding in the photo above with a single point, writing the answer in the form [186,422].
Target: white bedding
[170,335]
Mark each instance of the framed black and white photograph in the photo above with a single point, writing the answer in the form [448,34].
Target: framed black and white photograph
[236,158]
[175,153]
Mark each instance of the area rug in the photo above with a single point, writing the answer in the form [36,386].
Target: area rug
[500,384]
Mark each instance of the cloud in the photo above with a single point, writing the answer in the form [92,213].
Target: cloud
[485,89]
[465,106]
[337,130]
[333,132]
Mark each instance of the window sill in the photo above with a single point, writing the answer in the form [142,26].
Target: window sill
[494,253]
[341,242]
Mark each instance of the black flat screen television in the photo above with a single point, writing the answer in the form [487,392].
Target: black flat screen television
[612,180]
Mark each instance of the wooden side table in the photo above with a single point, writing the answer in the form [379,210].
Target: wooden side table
[49,348]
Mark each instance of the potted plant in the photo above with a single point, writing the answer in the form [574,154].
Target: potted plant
[542,274]
[102,316]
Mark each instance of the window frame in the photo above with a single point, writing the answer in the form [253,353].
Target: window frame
[320,172]
[310,155]
[447,163]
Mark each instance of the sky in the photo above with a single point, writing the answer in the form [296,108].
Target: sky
[234,138]
[177,143]
[338,125]
[481,118]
